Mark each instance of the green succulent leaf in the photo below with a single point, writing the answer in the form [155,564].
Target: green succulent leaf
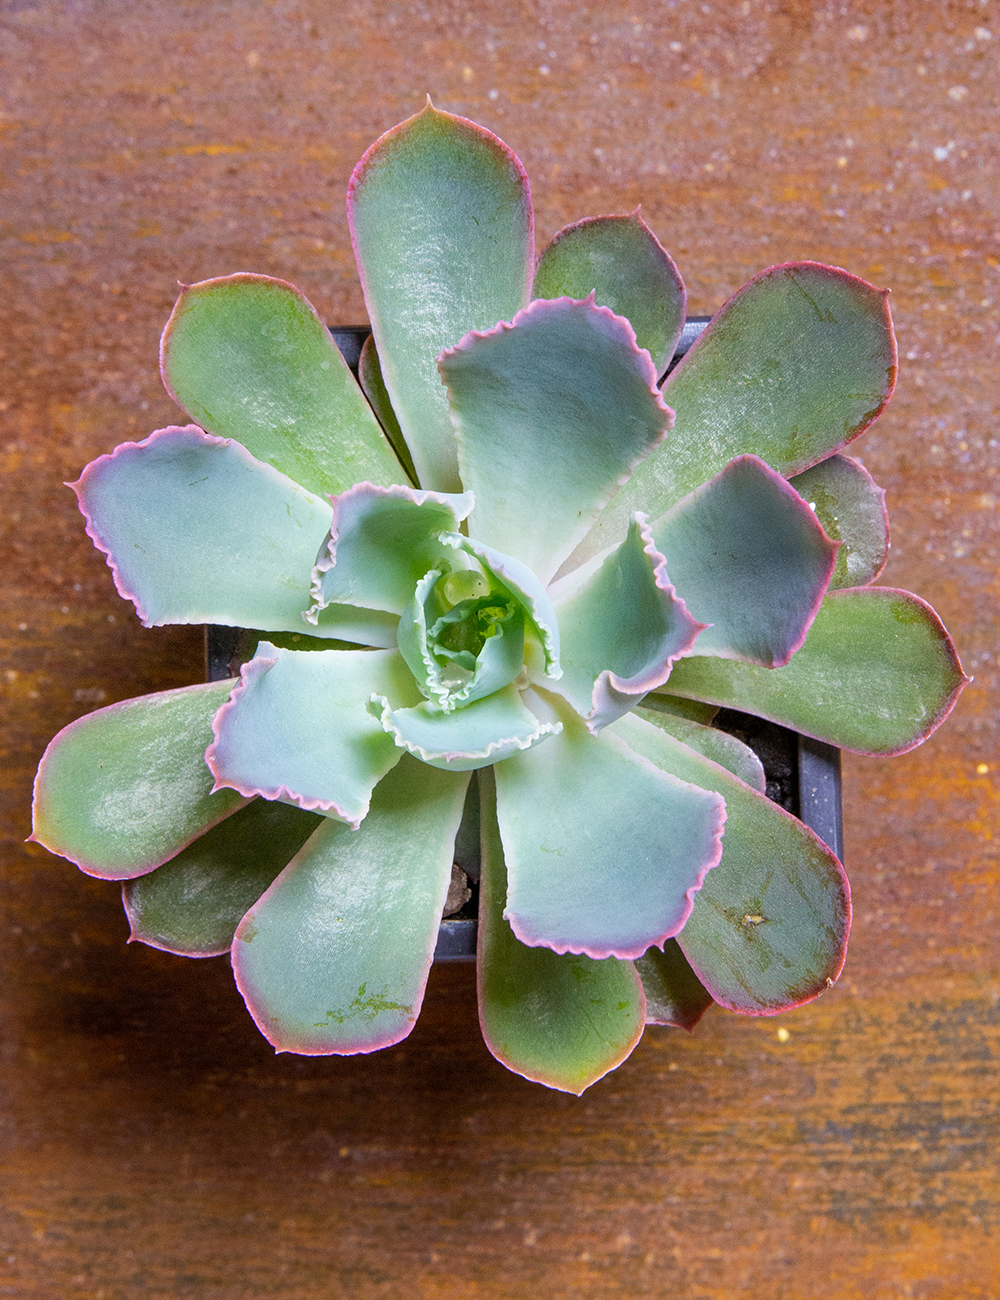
[193,903]
[604,852]
[514,577]
[674,993]
[564,1020]
[625,266]
[124,789]
[297,728]
[794,366]
[197,531]
[693,710]
[474,736]
[440,216]
[373,387]
[462,636]
[552,414]
[768,930]
[620,630]
[748,558]
[719,746]
[877,674]
[851,508]
[381,542]
[247,357]
[334,958]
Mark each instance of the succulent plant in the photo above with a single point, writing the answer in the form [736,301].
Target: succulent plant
[503,579]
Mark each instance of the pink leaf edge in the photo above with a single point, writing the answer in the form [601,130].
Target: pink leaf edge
[124,451]
[302,1046]
[328,552]
[90,868]
[245,277]
[249,673]
[962,679]
[550,1080]
[829,980]
[712,857]
[636,216]
[603,699]
[880,494]
[805,513]
[612,324]
[836,272]
[388,138]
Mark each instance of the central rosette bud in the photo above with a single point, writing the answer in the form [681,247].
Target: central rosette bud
[462,635]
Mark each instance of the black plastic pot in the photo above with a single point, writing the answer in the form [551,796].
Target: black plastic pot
[803,775]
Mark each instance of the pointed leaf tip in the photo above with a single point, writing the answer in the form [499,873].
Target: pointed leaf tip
[443,194]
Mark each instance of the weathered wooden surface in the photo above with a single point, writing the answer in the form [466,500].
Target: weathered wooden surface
[153,1146]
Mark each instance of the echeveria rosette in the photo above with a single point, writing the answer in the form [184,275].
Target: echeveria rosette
[510,582]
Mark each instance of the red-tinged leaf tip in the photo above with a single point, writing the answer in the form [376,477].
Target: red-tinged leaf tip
[816,989]
[388,139]
[180,306]
[834,273]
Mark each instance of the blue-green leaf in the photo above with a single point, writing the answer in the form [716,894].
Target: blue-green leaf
[552,414]
[795,365]
[878,673]
[298,728]
[768,930]
[473,736]
[334,958]
[561,1019]
[748,557]
[123,789]
[193,903]
[604,852]
[247,357]
[440,216]
[197,531]
[381,542]
[620,630]
[851,507]
[625,266]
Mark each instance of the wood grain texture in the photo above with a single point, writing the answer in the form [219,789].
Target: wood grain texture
[153,1145]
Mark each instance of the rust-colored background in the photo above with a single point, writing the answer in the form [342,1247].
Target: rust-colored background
[153,1145]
